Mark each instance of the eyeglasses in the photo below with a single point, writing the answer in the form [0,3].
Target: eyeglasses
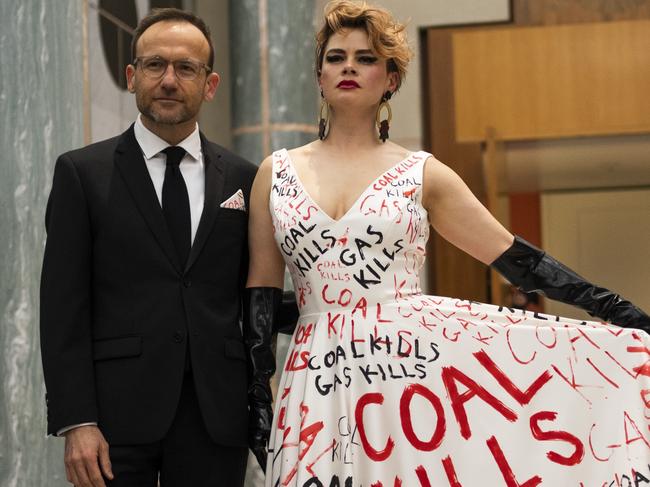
[155,67]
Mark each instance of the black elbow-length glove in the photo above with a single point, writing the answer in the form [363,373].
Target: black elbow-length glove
[261,306]
[531,269]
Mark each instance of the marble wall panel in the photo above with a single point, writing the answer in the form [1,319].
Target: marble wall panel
[41,100]
[273,93]
[293,90]
[249,146]
[288,140]
[273,88]
[245,63]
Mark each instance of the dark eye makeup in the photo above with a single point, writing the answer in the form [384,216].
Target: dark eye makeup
[363,58]
[367,59]
[333,58]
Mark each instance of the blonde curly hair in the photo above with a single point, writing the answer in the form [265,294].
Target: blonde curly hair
[386,36]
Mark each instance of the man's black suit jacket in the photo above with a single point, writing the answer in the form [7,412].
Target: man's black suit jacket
[117,307]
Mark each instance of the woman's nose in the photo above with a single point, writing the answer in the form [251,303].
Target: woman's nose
[349,68]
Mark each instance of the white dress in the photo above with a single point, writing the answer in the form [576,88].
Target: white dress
[385,386]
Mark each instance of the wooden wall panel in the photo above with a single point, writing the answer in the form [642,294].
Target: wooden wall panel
[551,12]
[553,81]
[550,82]
[525,216]
[451,271]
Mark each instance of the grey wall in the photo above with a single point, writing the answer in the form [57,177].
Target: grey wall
[41,109]
[215,116]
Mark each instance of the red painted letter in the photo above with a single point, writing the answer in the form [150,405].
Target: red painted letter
[451,375]
[376,455]
[506,471]
[407,423]
[538,434]
[522,397]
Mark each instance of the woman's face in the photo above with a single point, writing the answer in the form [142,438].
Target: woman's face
[352,74]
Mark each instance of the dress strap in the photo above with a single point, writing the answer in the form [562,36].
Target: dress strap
[280,161]
[417,170]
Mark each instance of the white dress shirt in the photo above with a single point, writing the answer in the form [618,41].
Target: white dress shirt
[192,169]
[192,166]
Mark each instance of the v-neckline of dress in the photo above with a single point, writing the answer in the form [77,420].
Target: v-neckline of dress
[356,201]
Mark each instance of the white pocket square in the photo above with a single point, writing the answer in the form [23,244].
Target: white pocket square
[235,202]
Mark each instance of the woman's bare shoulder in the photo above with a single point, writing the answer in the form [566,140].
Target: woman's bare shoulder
[303,153]
[396,148]
[435,168]
[266,164]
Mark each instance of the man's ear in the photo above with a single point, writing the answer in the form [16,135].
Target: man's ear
[211,84]
[130,76]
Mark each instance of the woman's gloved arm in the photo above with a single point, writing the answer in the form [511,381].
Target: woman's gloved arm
[261,305]
[531,269]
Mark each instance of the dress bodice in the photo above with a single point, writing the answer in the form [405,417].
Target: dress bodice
[372,254]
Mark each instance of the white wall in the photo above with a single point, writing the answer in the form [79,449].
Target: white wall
[603,236]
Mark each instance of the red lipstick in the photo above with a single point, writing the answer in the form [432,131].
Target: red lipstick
[347,84]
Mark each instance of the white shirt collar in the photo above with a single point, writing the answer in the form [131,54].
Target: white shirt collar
[151,144]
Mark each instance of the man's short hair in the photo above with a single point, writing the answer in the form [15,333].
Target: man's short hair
[171,14]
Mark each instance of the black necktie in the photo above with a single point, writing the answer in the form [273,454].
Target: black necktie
[176,203]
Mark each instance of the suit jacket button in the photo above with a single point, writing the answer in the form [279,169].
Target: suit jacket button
[187,283]
[178,337]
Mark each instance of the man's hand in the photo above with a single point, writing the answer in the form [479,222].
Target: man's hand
[86,451]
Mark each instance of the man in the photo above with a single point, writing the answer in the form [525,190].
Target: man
[142,281]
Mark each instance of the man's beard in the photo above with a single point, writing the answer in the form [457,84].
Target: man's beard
[149,112]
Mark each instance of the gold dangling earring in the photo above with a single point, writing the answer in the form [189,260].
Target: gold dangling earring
[323,119]
[384,125]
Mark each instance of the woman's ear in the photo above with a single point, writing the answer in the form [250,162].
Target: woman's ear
[393,82]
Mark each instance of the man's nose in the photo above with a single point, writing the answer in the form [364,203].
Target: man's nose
[169,76]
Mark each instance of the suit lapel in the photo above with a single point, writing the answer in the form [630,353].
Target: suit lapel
[214,181]
[131,165]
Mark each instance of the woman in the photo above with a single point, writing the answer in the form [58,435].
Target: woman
[376,371]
